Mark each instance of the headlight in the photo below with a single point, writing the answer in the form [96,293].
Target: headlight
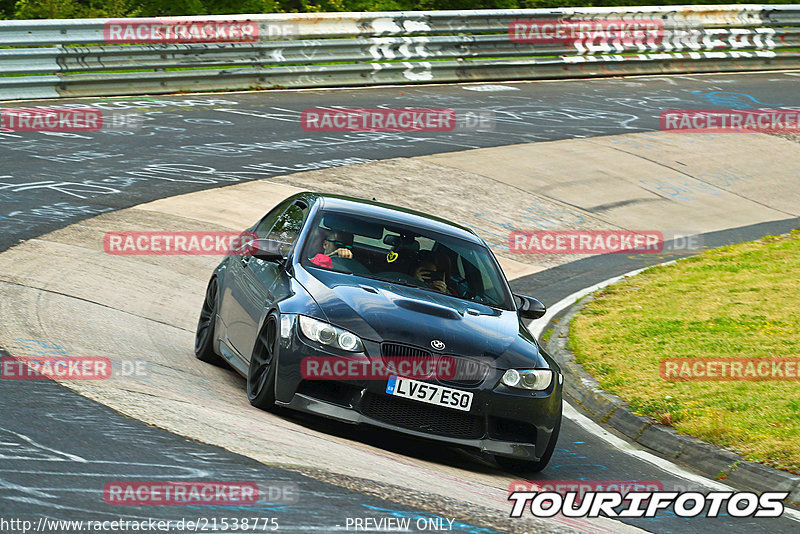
[327,334]
[535,379]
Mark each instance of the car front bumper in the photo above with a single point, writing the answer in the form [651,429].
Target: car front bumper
[502,421]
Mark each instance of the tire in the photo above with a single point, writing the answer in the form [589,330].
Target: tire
[261,374]
[204,335]
[514,465]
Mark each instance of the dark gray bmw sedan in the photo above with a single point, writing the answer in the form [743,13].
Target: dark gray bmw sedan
[370,313]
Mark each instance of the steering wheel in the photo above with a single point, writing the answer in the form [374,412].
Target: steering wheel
[351,264]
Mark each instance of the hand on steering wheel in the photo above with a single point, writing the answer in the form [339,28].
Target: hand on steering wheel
[342,253]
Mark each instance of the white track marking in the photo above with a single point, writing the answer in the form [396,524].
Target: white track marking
[61,456]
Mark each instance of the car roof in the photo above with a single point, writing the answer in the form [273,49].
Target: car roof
[395,214]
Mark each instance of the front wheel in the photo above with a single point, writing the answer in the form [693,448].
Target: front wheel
[261,374]
[514,465]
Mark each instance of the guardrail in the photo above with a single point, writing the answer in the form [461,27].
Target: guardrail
[100,57]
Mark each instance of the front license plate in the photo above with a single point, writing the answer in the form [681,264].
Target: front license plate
[430,393]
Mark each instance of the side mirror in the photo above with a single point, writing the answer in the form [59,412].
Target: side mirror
[529,307]
[265,249]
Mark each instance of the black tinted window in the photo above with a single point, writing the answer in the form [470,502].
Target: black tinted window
[405,255]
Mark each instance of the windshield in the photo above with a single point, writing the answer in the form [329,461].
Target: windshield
[405,255]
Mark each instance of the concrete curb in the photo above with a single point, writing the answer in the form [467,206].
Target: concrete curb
[715,462]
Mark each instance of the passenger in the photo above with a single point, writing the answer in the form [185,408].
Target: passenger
[428,273]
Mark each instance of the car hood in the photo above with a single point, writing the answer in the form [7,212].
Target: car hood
[384,311]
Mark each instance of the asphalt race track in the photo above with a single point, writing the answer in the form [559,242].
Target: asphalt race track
[96,443]
[48,181]
[58,447]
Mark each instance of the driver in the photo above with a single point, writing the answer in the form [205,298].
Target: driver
[338,244]
[332,243]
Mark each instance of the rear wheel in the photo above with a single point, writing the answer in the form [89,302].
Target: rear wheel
[261,374]
[514,465]
[204,336]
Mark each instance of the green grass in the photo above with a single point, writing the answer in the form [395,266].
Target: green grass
[547,334]
[736,301]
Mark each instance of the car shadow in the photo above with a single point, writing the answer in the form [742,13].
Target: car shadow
[396,442]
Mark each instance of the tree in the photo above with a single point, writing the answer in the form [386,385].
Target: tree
[46,9]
